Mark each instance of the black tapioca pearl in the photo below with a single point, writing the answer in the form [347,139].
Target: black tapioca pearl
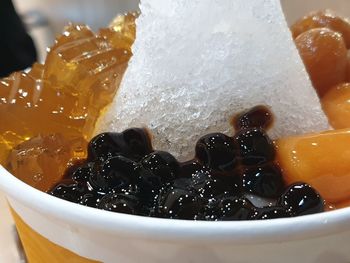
[272,212]
[256,117]
[105,145]
[217,151]
[162,164]
[179,204]
[301,199]
[91,198]
[121,203]
[118,171]
[218,185]
[190,168]
[209,184]
[83,172]
[233,208]
[69,172]
[265,181]
[70,191]
[200,178]
[98,183]
[255,147]
[132,143]
[149,186]
[138,143]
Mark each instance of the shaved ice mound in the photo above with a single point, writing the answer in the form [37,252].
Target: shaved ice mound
[214,61]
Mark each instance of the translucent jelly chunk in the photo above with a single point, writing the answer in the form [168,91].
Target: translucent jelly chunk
[122,31]
[30,106]
[71,33]
[65,95]
[336,104]
[69,63]
[348,68]
[321,160]
[325,57]
[88,66]
[37,71]
[42,160]
[324,18]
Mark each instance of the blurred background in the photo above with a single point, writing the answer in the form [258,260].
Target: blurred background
[46,19]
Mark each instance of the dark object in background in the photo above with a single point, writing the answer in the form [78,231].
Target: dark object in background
[17,50]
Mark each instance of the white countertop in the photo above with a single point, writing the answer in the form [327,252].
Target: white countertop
[9,252]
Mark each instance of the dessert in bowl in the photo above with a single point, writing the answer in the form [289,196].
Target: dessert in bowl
[101,235]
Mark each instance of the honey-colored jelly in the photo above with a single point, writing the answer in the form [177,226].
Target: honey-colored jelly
[60,100]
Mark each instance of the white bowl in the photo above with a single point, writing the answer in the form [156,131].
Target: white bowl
[114,237]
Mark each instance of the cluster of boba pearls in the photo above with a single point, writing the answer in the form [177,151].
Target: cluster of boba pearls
[123,173]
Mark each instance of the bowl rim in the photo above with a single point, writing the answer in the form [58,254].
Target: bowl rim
[234,232]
